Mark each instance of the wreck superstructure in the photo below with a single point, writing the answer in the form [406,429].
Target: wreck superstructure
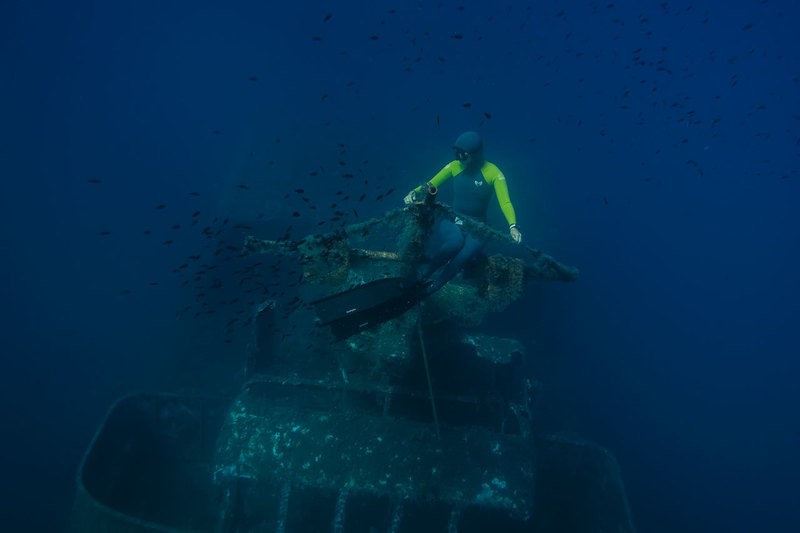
[419,423]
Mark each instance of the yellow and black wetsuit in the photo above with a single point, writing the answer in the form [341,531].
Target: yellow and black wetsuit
[473,189]
[448,245]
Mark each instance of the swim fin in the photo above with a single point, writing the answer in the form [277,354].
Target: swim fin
[368,305]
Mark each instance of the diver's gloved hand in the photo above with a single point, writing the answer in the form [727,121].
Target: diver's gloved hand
[410,197]
[515,234]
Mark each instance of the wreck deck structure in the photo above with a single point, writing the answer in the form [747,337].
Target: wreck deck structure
[420,423]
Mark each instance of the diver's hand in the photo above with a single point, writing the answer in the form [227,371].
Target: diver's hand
[515,234]
[409,199]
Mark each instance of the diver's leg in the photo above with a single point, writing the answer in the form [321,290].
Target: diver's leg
[446,242]
[470,248]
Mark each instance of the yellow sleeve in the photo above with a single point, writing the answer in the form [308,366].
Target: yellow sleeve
[501,191]
[443,175]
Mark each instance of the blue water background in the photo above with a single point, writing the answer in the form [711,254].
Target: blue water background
[654,145]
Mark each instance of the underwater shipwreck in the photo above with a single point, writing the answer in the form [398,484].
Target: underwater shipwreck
[403,417]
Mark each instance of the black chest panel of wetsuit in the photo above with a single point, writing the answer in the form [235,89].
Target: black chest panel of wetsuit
[472,193]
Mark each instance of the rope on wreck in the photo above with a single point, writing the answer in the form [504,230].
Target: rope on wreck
[428,373]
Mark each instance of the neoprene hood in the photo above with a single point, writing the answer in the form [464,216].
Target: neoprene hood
[471,143]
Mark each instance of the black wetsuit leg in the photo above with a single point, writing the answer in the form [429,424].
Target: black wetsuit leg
[446,241]
[469,249]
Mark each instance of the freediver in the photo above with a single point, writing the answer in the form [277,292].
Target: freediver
[450,246]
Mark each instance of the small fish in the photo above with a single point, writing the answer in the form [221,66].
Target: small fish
[216,132]
[168,242]
[104,233]
[196,214]
[328,17]
[466,105]
[176,226]
[94,181]
[487,115]
[160,206]
[242,186]
[299,191]
[456,36]
[194,193]
[295,214]
[252,78]
[373,37]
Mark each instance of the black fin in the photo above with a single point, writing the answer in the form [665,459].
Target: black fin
[367,305]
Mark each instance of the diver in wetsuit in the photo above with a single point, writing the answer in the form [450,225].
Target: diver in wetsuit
[474,178]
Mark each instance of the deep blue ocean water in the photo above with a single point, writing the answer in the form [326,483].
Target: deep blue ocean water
[654,145]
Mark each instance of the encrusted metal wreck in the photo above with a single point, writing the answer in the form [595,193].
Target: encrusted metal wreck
[420,423]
